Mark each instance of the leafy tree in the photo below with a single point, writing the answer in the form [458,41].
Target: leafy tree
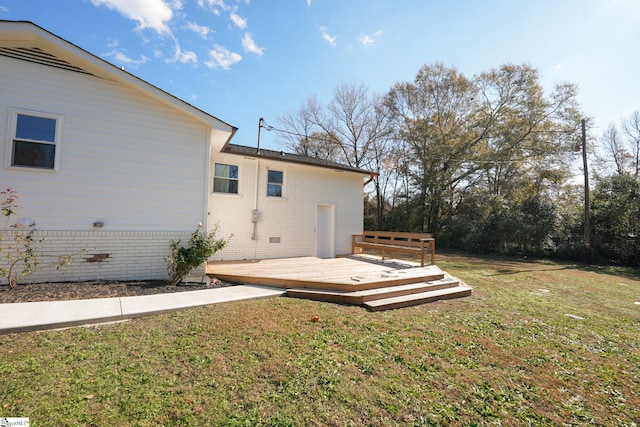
[536,224]
[497,134]
[432,116]
[529,135]
[615,219]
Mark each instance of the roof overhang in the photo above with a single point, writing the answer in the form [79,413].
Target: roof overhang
[281,156]
[28,41]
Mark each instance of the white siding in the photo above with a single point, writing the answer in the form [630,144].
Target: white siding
[292,219]
[126,159]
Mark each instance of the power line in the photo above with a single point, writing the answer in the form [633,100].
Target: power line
[271,128]
[267,127]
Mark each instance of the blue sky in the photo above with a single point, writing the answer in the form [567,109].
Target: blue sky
[240,60]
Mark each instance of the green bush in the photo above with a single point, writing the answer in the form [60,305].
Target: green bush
[181,261]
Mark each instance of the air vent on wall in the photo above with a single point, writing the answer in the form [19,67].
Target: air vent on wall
[39,56]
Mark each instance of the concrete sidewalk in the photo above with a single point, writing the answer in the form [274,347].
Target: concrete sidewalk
[35,316]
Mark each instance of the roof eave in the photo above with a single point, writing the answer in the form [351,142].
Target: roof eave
[283,158]
[28,32]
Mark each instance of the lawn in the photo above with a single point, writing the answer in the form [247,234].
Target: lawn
[538,343]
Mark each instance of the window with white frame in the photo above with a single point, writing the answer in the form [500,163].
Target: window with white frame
[35,140]
[275,181]
[225,178]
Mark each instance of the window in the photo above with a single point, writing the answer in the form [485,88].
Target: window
[225,179]
[35,140]
[274,183]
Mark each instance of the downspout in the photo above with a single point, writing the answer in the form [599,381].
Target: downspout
[254,214]
[207,176]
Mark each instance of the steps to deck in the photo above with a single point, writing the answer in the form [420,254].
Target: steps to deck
[355,280]
[421,298]
[360,297]
[390,297]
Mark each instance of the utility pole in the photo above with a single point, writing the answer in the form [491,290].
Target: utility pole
[587,225]
[260,122]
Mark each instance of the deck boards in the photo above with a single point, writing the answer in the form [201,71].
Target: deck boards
[349,274]
[359,279]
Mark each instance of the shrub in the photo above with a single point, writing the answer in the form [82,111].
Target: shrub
[181,261]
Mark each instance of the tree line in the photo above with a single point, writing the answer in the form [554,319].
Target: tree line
[484,162]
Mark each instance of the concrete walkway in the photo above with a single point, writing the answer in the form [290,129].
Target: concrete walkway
[35,316]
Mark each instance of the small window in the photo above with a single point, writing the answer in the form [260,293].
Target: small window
[274,183]
[35,140]
[225,179]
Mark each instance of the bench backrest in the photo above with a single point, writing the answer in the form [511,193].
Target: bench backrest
[395,237]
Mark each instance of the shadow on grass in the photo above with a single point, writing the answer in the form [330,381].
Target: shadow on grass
[627,272]
[507,265]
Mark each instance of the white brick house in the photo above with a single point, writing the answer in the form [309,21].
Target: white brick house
[110,169]
[303,206]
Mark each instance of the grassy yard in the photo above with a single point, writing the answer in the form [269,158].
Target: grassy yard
[538,343]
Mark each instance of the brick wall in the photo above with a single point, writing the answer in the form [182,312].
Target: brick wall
[287,225]
[103,255]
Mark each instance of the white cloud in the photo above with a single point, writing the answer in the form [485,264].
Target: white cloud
[203,30]
[369,39]
[238,21]
[366,40]
[121,59]
[214,5]
[221,57]
[329,38]
[183,57]
[250,45]
[154,14]
[3,9]
[308,3]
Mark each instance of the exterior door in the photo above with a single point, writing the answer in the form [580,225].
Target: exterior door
[325,231]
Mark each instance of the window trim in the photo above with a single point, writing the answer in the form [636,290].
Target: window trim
[213,181]
[12,137]
[282,194]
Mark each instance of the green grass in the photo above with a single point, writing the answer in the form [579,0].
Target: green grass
[508,355]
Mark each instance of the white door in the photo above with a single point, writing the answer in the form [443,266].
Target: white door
[325,231]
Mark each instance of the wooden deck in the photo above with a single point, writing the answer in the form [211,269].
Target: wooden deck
[352,280]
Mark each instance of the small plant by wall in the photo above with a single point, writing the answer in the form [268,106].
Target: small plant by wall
[182,260]
[18,247]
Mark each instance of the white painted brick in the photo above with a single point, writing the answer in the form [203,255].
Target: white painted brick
[292,218]
[133,256]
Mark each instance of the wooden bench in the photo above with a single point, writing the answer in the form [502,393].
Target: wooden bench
[393,242]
